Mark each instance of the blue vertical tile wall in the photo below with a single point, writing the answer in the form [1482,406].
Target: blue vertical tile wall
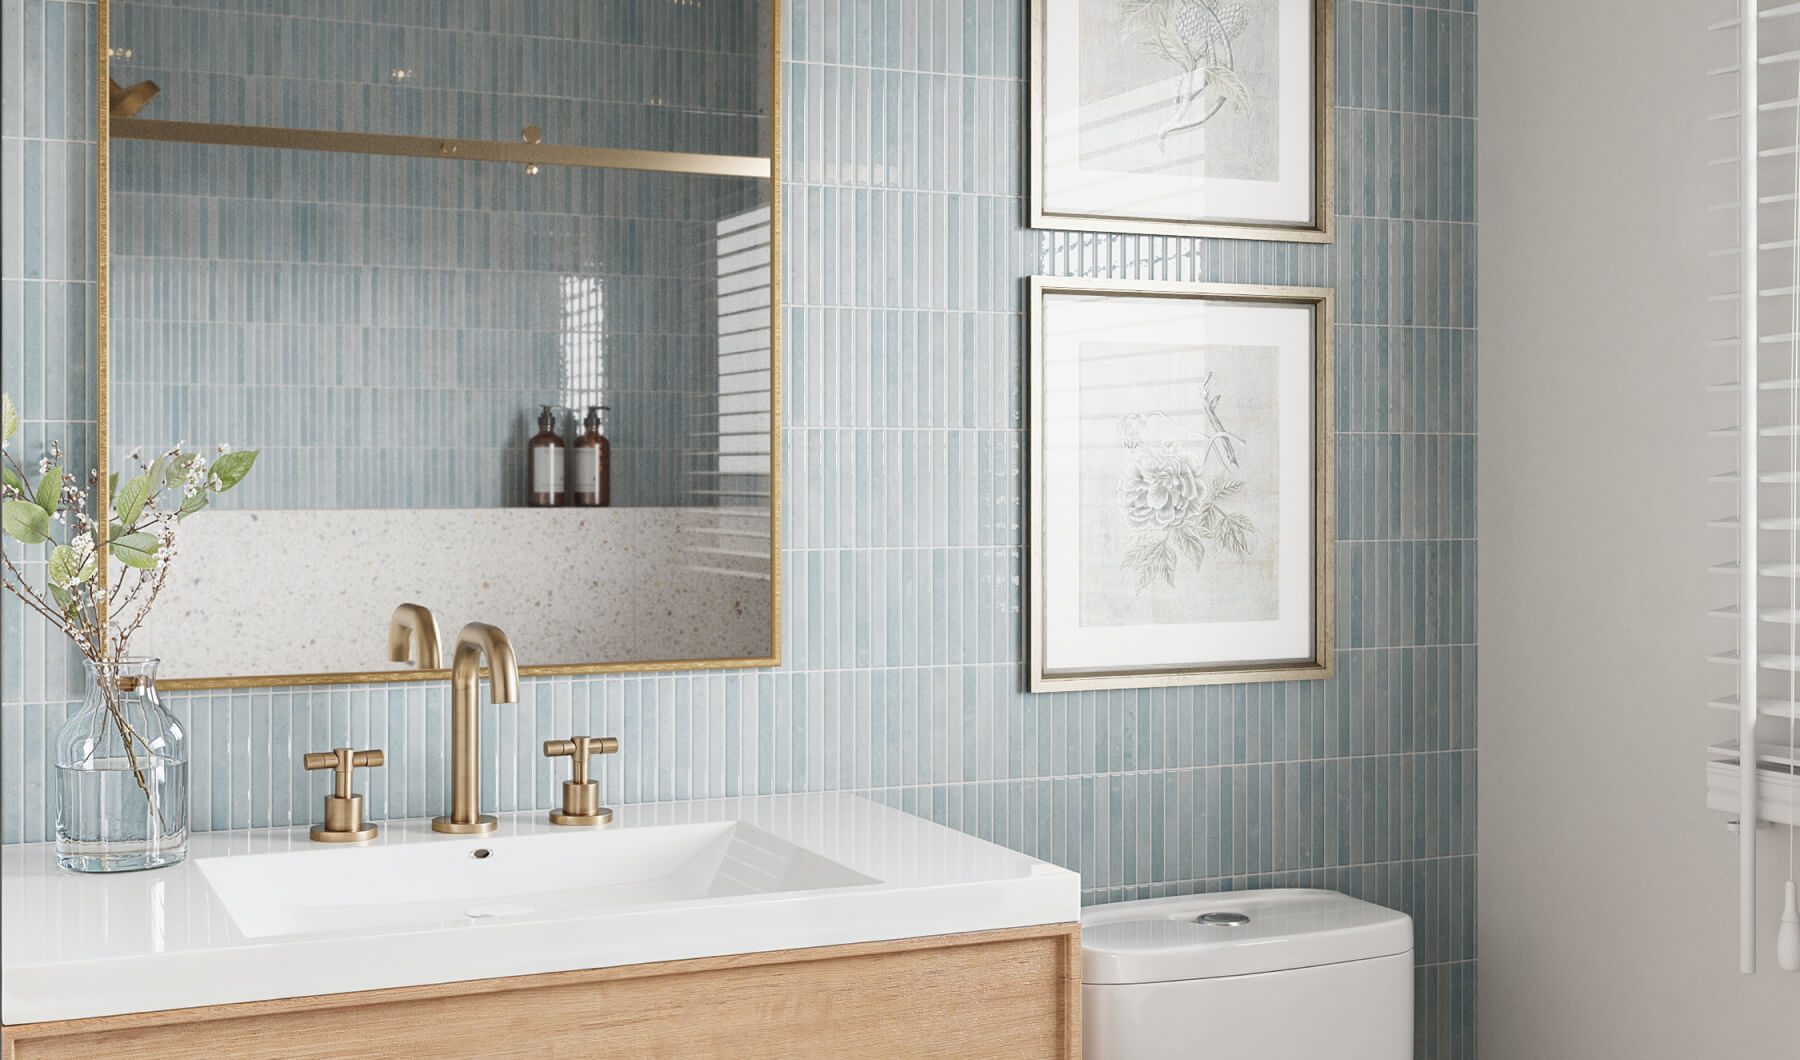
[905,253]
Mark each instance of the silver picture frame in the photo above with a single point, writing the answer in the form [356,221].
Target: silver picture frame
[1147,218]
[1142,544]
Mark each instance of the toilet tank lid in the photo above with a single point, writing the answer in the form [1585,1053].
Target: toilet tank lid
[1166,940]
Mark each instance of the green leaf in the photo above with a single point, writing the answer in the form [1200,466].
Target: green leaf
[49,491]
[9,417]
[26,521]
[232,467]
[156,469]
[112,485]
[136,550]
[62,598]
[131,499]
[62,565]
[63,570]
[178,469]
[191,505]
[8,476]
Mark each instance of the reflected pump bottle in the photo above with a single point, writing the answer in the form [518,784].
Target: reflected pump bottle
[590,464]
[544,457]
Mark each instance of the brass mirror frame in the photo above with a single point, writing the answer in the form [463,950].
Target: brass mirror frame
[103,330]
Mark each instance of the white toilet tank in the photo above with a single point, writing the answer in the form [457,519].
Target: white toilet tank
[1248,975]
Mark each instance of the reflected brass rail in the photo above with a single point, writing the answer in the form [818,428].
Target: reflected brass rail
[199,132]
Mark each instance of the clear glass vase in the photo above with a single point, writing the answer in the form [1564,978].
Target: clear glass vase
[121,775]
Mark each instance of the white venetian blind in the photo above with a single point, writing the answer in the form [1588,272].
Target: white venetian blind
[1756,302]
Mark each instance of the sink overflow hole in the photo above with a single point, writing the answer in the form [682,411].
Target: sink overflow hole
[480,853]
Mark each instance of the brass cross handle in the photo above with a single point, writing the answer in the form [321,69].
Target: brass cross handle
[343,811]
[581,748]
[581,796]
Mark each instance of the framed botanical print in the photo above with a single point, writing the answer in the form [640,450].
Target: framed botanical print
[1181,527]
[1183,117]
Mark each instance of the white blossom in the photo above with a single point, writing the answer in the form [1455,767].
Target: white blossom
[83,546]
[199,476]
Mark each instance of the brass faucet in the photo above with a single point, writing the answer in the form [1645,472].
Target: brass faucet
[414,624]
[581,796]
[476,641]
[343,809]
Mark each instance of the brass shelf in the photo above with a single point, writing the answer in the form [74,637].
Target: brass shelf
[197,132]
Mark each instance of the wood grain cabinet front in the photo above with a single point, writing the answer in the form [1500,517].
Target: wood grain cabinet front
[1013,993]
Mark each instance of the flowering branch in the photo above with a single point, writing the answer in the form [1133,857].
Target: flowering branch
[141,538]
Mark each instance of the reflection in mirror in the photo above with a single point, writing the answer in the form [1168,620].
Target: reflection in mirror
[376,247]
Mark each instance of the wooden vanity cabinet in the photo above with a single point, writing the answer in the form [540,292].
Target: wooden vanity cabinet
[1012,993]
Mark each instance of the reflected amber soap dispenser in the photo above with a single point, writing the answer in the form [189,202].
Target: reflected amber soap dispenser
[590,464]
[545,459]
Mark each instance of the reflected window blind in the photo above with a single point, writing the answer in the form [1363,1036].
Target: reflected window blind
[731,486]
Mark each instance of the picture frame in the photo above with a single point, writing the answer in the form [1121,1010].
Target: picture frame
[1138,127]
[1181,521]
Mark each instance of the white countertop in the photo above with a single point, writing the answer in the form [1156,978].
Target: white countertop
[74,946]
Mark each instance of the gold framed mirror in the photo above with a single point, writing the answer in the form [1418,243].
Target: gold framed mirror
[373,250]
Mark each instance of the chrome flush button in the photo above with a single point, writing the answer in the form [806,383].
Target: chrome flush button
[1222,919]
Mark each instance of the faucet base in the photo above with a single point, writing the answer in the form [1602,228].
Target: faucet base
[603,816]
[322,834]
[482,823]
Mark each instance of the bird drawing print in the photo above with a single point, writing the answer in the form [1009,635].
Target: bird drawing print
[1198,37]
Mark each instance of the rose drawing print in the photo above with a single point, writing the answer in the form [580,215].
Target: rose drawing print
[1179,450]
[1176,506]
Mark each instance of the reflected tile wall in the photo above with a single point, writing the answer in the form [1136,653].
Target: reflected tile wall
[384,330]
[650,76]
[906,255]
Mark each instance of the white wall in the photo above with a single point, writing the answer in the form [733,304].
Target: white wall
[1607,902]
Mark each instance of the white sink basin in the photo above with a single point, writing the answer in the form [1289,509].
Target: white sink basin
[266,913]
[474,878]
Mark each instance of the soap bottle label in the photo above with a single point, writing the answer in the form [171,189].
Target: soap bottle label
[586,472]
[547,470]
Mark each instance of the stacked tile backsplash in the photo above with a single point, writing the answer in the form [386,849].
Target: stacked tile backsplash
[904,350]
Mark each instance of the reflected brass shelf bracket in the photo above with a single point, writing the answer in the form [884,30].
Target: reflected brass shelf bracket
[530,154]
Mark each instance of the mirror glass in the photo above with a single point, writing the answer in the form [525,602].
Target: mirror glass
[385,245]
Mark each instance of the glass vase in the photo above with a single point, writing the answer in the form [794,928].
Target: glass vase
[121,775]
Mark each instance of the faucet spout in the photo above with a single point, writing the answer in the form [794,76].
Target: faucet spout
[414,625]
[476,642]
